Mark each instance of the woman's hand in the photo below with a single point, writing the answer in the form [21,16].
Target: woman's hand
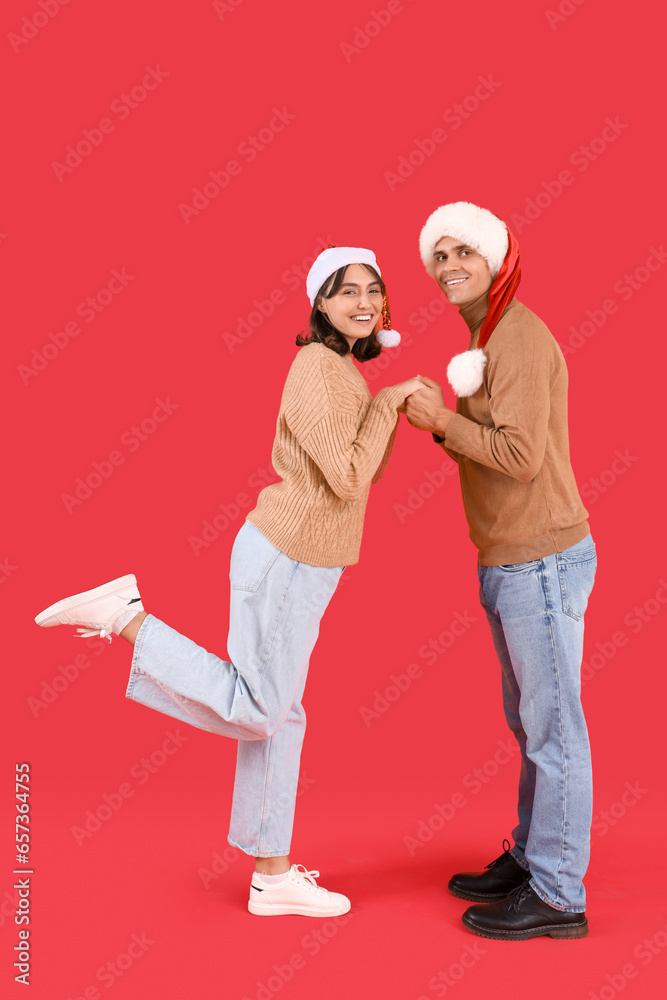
[427,412]
[409,386]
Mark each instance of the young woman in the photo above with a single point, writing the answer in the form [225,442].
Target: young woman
[332,441]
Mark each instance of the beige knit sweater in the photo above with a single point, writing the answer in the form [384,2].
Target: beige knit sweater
[511,442]
[332,440]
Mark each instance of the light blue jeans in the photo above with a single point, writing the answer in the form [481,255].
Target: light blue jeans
[536,613]
[276,607]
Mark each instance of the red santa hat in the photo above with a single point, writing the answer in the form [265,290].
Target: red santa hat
[480,229]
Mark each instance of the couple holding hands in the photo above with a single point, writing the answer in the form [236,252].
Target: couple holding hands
[537,563]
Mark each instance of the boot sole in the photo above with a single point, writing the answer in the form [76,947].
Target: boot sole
[480,897]
[563,931]
[88,595]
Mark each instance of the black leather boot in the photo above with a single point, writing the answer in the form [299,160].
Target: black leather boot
[523,915]
[495,882]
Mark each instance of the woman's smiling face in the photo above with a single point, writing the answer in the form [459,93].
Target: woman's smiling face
[356,307]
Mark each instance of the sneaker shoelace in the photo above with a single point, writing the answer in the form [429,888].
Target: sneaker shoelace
[104,632]
[306,879]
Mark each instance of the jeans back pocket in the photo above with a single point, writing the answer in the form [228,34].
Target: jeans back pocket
[576,575]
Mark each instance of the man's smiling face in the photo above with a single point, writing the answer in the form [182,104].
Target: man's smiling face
[462,272]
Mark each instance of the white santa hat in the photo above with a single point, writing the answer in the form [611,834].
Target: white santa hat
[330,261]
[476,227]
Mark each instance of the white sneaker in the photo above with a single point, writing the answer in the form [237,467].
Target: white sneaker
[297,893]
[95,609]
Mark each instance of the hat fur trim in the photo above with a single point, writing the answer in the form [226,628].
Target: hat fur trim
[475,226]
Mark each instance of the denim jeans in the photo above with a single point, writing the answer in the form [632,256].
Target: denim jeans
[536,613]
[276,606]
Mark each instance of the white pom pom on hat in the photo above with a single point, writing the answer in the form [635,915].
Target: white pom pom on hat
[476,227]
[330,261]
[465,372]
[388,338]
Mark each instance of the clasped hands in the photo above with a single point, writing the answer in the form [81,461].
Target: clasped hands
[424,406]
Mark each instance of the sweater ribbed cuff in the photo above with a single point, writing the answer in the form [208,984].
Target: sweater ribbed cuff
[391,395]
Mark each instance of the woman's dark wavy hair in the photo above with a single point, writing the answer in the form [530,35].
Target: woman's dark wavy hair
[322,332]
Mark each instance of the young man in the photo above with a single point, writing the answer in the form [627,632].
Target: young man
[536,566]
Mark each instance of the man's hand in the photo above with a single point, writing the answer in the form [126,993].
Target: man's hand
[426,409]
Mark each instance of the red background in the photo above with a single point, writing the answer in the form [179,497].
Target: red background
[555,79]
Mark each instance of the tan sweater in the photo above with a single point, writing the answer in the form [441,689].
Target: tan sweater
[332,440]
[511,442]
